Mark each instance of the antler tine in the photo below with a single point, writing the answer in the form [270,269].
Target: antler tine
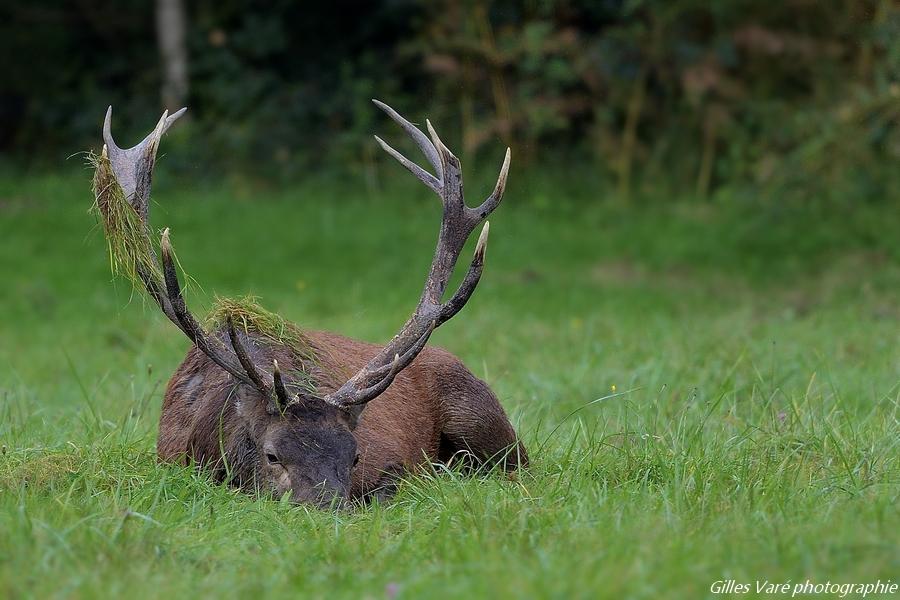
[350,393]
[493,201]
[470,281]
[189,324]
[423,175]
[154,288]
[404,359]
[165,122]
[364,395]
[416,134]
[457,223]
[449,162]
[240,351]
[281,394]
[133,167]
[443,151]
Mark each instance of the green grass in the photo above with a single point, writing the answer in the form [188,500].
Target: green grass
[753,434]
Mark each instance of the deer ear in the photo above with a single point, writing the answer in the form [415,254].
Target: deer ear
[350,415]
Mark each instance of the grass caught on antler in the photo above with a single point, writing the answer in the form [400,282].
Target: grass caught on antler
[133,253]
[131,249]
[246,313]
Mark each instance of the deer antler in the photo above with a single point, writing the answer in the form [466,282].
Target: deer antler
[457,223]
[133,171]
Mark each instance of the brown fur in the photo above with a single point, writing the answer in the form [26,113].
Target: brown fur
[435,409]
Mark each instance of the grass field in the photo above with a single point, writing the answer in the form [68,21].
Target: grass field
[753,433]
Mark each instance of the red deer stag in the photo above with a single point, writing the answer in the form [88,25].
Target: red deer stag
[313,414]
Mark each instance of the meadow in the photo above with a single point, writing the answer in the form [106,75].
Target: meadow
[708,391]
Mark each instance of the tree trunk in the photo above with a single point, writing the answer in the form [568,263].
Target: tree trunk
[170,34]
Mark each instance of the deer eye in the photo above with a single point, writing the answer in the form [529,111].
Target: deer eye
[273,460]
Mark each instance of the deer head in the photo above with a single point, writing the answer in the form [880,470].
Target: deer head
[300,440]
[305,449]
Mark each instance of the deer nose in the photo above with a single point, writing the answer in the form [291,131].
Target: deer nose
[324,495]
[323,491]
[333,486]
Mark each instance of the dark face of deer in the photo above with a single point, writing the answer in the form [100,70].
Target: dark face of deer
[309,452]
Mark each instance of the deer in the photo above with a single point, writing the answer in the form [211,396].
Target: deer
[339,421]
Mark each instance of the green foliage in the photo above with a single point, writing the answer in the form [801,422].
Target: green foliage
[792,97]
[753,432]
[795,100]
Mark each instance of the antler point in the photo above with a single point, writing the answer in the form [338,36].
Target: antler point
[482,240]
[164,243]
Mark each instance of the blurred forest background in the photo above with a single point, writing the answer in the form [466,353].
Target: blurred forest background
[796,100]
